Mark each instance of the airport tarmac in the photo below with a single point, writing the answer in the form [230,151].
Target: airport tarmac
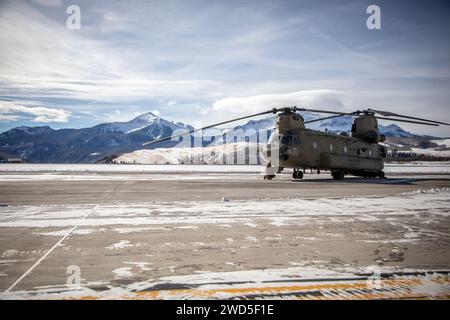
[228,235]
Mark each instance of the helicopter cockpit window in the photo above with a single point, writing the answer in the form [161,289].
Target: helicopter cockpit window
[286,139]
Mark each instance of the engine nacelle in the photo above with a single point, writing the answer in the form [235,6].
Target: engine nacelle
[365,127]
[289,121]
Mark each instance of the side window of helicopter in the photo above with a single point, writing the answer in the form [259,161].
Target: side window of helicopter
[295,140]
[345,149]
[358,151]
[331,147]
[370,153]
[383,152]
[314,145]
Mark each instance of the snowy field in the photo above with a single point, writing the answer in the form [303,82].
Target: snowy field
[390,168]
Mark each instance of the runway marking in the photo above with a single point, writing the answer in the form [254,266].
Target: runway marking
[401,288]
[60,240]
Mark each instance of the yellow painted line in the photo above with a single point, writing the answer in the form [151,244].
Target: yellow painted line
[359,290]
[390,289]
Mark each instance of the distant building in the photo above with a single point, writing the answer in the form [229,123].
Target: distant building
[9,158]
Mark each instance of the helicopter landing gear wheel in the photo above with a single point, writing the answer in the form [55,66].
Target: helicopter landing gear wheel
[381,175]
[297,174]
[338,174]
[269,177]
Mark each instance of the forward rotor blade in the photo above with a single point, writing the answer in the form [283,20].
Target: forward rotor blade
[409,121]
[208,127]
[391,114]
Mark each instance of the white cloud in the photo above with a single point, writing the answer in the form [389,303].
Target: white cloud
[9,117]
[134,55]
[324,99]
[44,59]
[49,3]
[14,110]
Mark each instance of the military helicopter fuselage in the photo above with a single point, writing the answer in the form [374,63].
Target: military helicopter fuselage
[299,148]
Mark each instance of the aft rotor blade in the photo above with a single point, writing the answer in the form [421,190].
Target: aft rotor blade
[326,118]
[409,121]
[208,127]
[322,111]
[391,114]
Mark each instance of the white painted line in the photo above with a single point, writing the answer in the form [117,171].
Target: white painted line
[60,241]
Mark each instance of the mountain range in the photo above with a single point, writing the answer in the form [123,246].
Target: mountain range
[89,145]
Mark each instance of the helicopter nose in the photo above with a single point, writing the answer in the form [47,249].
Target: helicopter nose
[284,153]
[284,149]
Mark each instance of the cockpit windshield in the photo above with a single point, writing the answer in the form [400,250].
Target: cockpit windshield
[288,139]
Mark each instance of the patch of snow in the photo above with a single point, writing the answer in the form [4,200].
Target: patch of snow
[251,238]
[9,253]
[119,245]
[144,266]
[63,232]
[134,230]
[251,225]
[124,272]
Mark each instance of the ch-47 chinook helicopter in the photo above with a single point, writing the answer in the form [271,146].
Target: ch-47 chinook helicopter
[299,148]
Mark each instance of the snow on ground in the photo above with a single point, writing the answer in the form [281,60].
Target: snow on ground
[126,168]
[445,142]
[191,213]
[440,151]
[21,171]
[216,154]
[418,167]
[430,152]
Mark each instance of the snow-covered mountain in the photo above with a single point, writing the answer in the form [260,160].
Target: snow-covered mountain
[46,145]
[141,122]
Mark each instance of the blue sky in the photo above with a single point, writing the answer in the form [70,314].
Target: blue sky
[206,61]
